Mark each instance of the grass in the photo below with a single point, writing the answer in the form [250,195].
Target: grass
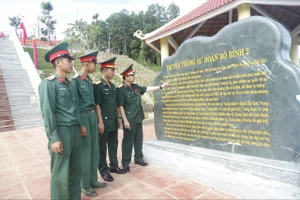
[145,76]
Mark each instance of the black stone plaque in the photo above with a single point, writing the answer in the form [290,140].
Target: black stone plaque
[236,92]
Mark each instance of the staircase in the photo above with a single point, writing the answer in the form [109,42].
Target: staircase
[19,107]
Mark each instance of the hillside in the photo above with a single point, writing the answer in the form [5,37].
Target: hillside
[145,76]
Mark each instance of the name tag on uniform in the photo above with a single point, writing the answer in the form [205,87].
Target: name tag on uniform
[62,88]
[106,89]
[82,86]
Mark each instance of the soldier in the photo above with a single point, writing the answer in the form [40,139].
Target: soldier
[58,106]
[106,104]
[129,102]
[83,88]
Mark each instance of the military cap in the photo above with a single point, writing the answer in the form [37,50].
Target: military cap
[58,51]
[108,63]
[89,57]
[128,71]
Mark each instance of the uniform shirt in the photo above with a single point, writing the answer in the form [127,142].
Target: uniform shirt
[83,89]
[58,105]
[130,99]
[106,98]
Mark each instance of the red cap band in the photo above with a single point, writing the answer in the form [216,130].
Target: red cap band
[105,65]
[128,72]
[57,54]
[88,59]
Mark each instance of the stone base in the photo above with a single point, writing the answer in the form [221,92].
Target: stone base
[238,175]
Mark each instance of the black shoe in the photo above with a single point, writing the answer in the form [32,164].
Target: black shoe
[140,162]
[126,168]
[107,177]
[117,170]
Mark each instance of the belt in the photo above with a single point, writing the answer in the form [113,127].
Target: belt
[88,111]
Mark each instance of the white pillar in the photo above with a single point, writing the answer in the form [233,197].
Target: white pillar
[244,11]
[294,50]
[164,48]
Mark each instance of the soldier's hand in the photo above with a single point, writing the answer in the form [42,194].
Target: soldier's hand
[164,85]
[57,147]
[83,131]
[101,127]
[127,125]
[119,123]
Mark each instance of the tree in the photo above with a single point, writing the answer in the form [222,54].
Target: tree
[77,35]
[173,11]
[47,20]
[15,21]
[119,32]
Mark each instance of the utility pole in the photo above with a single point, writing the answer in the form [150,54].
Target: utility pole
[109,42]
[38,31]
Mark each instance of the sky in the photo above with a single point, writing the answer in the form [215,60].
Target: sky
[67,11]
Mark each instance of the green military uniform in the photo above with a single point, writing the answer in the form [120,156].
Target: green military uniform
[130,98]
[106,98]
[58,107]
[83,88]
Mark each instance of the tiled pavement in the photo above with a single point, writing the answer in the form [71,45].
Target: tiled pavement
[24,174]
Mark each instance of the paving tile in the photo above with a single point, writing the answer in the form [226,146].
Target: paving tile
[37,183]
[7,171]
[144,172]
[10,191]
[25,165]
[160,195]
[12,143]
[24,136]
[20,155]
[44,157]
[41,193]
[5,163]
[121,181]
[138,190]
[4,156]
[10,180]
[162,180]
[30,167]
[111,195]
[214,194]
[102,191]
[16,148]
[34,174]
[186,190]
[26,161]
[22,196]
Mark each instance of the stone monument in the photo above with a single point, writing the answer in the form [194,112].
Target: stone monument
[230,117]
[235,92]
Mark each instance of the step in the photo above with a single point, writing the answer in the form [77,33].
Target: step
[21,126]
[22,94]
[5,117]
[2,97]
[17,99]
[6,123]
[17,115]
[4,102]
[18,90]
[17,72]
[5,129]
[25,126]
[27,121]
[24,118]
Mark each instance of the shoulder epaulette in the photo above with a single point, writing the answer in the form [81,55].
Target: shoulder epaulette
[75,76]
[50,78]
[98,82]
